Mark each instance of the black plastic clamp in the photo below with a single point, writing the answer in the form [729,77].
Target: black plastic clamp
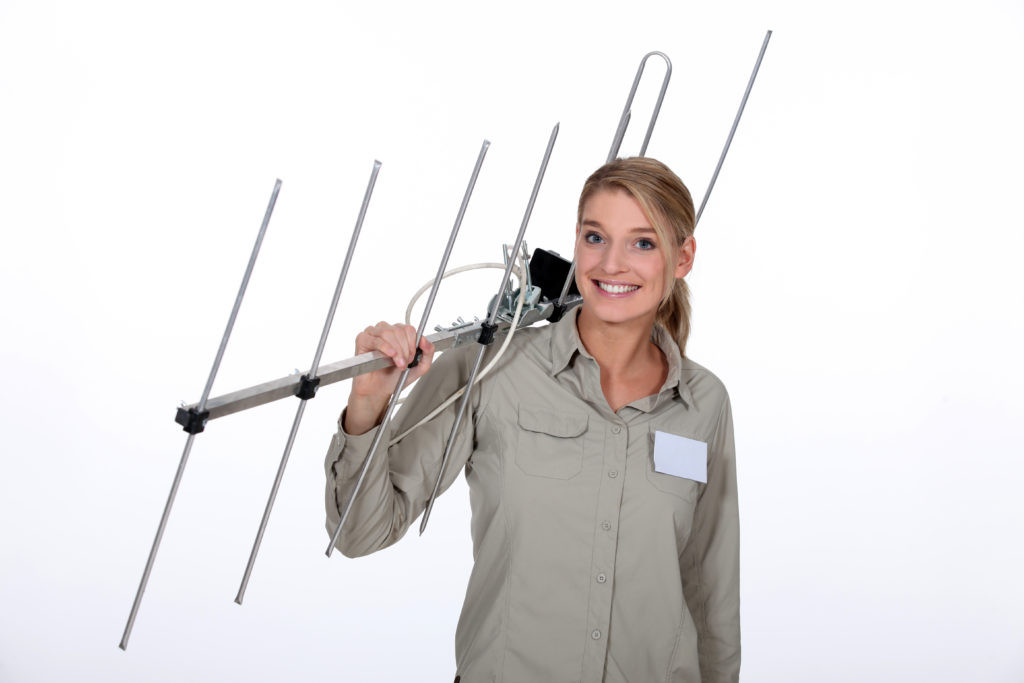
[307,387]
[416,358]
[191,420]
[558,310]
[487,331]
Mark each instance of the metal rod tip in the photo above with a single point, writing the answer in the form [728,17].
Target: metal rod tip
[277,183]
[376,163]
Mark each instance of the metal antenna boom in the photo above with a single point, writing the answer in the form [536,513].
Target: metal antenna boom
[419,333]
[198,422]
[331,373]
[308,386]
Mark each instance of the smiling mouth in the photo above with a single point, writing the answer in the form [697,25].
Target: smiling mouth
[615,289]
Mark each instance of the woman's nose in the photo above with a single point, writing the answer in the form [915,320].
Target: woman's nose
[615,260]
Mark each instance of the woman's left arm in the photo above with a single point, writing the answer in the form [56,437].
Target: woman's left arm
[711,560]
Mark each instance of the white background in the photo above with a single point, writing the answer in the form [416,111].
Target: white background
[857,288]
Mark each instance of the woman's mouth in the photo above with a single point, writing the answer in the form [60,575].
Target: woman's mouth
[615,288]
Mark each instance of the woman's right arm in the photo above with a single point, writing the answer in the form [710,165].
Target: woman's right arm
[400,478]
[371,392]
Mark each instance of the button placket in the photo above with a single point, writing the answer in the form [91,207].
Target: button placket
[616,441]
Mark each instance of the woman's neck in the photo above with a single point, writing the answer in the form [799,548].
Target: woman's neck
[620,349]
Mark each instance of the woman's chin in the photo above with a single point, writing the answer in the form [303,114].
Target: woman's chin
[618,311]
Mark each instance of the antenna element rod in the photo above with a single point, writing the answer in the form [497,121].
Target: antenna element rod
[201,407]
[382,428]
[490,321]
[307,382]
[735,123]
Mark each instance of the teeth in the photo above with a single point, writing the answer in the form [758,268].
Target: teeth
[617,289]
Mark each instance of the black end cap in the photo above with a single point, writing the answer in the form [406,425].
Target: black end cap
[557,311]
[191,420]
[487,331]
[416,358]
[307,387]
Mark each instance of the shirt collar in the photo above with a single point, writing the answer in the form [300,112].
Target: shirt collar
[566,343]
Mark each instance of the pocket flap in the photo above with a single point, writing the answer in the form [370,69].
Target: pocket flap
[565,425]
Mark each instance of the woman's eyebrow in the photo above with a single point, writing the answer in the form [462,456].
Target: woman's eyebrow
[591,223]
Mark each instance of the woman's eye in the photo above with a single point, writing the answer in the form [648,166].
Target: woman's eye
[592,238]
[645,244]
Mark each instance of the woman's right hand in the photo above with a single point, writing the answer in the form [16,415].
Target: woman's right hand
[371,391]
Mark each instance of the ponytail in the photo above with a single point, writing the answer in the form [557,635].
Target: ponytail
[674,314]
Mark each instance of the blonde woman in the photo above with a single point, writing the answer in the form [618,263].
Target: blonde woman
[600,464]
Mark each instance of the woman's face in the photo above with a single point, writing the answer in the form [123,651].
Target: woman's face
[620,262]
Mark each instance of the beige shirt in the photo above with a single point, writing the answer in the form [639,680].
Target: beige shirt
[589,564]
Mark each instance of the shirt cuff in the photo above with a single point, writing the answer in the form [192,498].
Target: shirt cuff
[349,451]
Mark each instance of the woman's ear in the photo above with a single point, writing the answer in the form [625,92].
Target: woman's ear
[685,256]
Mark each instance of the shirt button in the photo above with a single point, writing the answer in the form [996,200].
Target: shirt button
[601,578]
[606,525]
[596,635]
[616,429]
[613,473]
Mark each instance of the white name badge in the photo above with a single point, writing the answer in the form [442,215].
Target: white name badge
[680,456]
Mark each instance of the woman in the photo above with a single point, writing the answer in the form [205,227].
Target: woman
[600,464]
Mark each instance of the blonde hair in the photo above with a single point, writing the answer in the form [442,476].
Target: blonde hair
[667,204]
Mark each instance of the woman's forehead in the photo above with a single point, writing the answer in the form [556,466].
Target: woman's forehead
[614,204]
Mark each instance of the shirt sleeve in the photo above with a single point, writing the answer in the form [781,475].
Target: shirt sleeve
[711,561]
[400,478]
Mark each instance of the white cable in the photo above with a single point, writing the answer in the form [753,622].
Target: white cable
[453,271]
[504,345]
[456,271]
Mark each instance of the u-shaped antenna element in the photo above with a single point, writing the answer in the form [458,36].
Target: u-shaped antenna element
[620,131]
[559,308]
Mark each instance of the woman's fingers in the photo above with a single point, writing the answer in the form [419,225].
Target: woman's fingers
[382,337]
[425,360]
[398,342]
[371,392]
[402,338]
[410,341]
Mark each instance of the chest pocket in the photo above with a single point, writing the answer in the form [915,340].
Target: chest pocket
[548,442]
[681,487]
